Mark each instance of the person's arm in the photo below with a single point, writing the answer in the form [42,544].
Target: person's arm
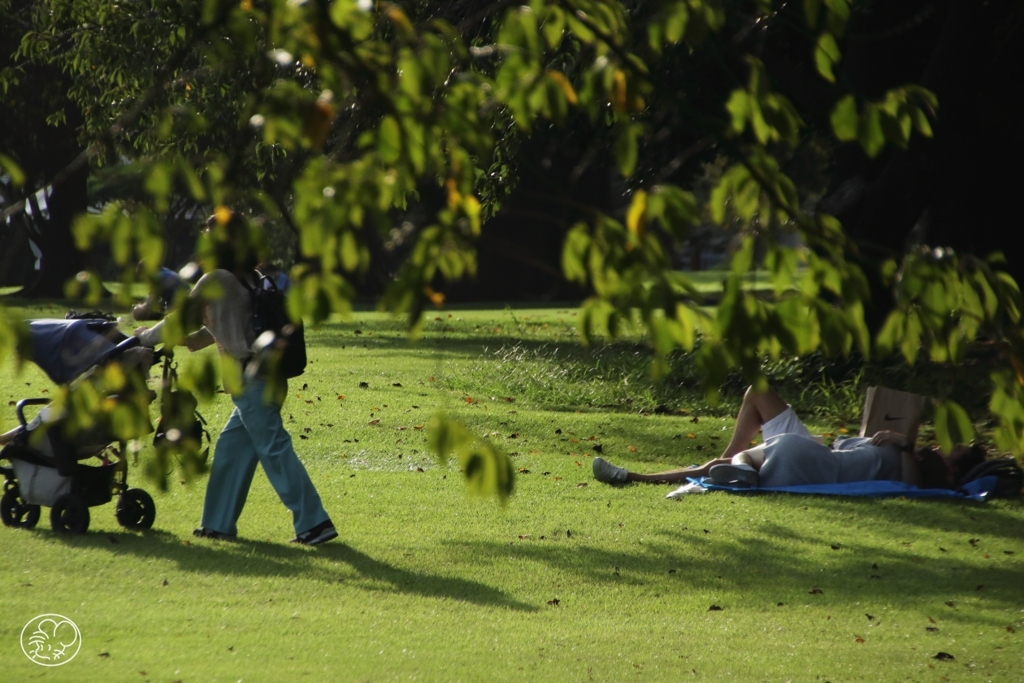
[889,438]
[190,316]
[199,339]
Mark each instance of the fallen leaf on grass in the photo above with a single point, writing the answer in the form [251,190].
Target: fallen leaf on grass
[632,449]
[397,384]
[870,618]
[523,470]
[944,657]
[714,608]
[373,422]
[858,639]
[554,602]
[103,654]
[836,546]
[931,629]
[950,603]
[581,485]
[814,591]
[1011,629]
[691,435]
[364,385]
[598,448]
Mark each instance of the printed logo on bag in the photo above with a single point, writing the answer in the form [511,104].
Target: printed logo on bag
[51,640]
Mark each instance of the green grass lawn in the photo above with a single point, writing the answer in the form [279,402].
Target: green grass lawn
[572,580]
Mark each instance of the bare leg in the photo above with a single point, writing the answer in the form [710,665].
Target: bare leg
[675,476]
[756,409]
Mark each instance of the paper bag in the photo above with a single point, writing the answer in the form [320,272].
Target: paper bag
[897,411]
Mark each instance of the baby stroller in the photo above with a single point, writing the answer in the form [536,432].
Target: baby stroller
[44,456]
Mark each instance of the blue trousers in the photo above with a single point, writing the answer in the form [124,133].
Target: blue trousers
[255,434]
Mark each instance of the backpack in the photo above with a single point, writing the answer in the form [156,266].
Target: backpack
[286,341]
[1009,473]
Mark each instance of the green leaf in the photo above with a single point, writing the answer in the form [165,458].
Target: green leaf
[811,10]
[487,470]
[912,331]
[826,56]
[389,143]
[554,26]
[574,253]
[952,426]
[13,170]
[738,107]
[870,133]
[844,119]
[349,251]
[625,148]
[675,22]
[920,119]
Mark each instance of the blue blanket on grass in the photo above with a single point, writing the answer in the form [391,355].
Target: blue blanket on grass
[977,490]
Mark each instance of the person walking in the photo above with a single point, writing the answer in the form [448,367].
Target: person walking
[219,311]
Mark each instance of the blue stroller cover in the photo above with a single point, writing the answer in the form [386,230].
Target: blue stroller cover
[64,349]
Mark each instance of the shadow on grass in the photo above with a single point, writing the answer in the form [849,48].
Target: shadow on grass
[261,558]
[964,560]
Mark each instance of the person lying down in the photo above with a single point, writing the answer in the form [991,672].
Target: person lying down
[791,456]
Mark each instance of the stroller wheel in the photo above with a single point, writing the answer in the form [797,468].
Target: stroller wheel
[135,510]
[16,512]
[69,515]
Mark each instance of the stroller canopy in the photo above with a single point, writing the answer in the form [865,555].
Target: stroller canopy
[64,349]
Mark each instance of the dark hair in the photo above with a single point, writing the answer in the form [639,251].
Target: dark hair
[938,472]
[963,459]
[935,471]
[232,245]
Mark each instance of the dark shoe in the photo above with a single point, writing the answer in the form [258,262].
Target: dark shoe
[737,476]
[203,532]
[321,533]
[607,473]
